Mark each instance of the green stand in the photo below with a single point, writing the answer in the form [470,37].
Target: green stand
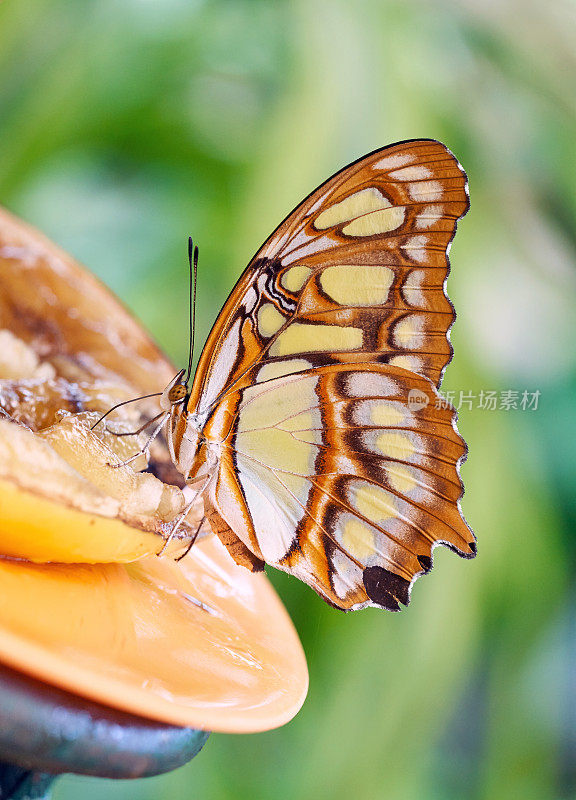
[45,731]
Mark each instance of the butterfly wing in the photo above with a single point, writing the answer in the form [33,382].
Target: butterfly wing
[355,273]
[335,476]
[341,315]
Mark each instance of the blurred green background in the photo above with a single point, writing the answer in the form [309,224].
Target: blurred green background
[126,125]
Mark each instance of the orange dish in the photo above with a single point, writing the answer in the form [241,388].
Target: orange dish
[136,637]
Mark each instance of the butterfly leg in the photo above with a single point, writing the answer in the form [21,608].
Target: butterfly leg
[192,540]
[182,516]
[140,429]
[144,451]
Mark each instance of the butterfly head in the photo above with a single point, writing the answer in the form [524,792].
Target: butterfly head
[175,393]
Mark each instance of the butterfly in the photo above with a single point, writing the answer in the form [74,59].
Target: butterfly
[313,428]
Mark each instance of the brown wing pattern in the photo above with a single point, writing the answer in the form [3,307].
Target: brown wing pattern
[355,274]
[346,477]
[317,386]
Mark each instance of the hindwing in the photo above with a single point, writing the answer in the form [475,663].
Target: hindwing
[345,477]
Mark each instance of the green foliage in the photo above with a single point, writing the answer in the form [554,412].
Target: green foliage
[129,124]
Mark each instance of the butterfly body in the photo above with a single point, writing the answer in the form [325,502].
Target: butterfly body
[299,426]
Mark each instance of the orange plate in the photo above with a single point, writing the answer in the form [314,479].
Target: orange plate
[129,636]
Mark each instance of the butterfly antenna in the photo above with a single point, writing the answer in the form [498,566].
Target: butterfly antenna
[193,261]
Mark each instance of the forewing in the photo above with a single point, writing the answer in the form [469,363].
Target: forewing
[355,274]
[344,477]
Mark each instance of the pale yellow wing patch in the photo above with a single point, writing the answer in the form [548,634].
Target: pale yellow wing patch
[301,338]
[357,284]
[352,207]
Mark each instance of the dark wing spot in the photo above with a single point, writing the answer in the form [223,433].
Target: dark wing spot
[472,546]
[425,563]
[385,588]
